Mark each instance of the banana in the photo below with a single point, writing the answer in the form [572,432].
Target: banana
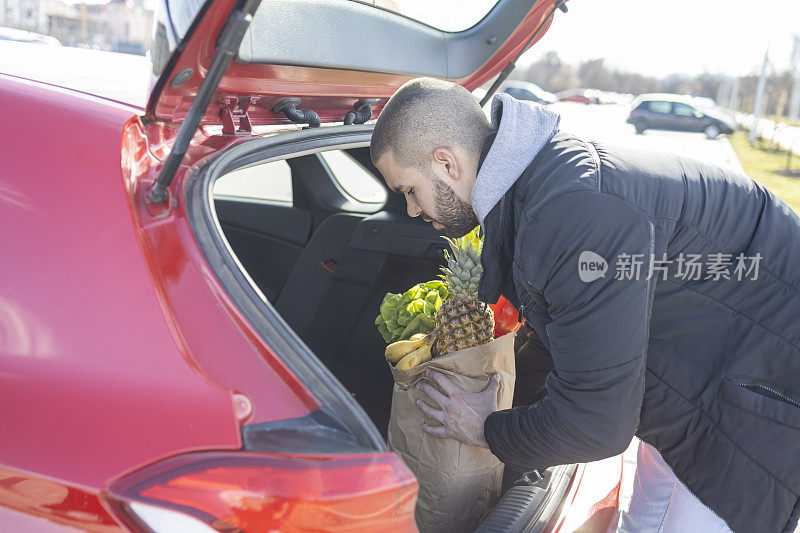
[398,350]
[418,356]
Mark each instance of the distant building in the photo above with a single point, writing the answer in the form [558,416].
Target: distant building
[23,14]
[129,26]
[119,25]
[81,25]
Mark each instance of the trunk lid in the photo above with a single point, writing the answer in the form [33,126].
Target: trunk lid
[333,55]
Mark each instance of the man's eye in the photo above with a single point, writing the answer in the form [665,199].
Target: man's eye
[411,192]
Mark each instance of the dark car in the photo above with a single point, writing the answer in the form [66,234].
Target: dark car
[677,113]
[523,90]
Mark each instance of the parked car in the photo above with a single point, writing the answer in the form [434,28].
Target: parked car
[23,36]
[704,102]
[583,96]
[524,90]
[678,113]
[608,97]
[188,292]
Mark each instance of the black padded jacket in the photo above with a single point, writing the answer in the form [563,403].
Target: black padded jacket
[704,366]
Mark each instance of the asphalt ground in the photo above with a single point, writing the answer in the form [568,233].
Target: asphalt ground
[606,123]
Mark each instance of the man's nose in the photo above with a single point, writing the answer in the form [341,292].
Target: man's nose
[413,209]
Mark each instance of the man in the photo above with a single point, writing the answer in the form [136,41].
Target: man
[667,292]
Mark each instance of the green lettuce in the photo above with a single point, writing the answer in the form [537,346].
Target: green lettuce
[414,311]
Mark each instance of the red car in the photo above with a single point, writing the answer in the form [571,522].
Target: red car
[178,354]
[583,96]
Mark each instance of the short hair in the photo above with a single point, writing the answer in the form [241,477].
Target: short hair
[425,114]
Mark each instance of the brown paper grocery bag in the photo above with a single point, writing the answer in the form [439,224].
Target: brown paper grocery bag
[458,484]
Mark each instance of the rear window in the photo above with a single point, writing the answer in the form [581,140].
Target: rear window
[445,15]
[354,179]
[268,181]
[658,106]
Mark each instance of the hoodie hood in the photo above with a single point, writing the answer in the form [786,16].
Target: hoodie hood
[521,129]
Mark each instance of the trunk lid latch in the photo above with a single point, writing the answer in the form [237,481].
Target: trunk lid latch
[233,111]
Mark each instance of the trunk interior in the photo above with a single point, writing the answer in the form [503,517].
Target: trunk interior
[317,239]
[306,238]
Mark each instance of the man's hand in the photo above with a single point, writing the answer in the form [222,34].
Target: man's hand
[461,413]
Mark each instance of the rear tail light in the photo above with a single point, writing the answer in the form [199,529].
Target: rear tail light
[253,492]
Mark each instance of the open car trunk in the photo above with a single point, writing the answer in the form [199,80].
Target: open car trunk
[307,266]
[310,269]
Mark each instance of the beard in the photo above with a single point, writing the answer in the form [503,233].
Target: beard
[455,214]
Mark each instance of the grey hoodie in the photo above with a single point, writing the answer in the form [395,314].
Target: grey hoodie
[523,128]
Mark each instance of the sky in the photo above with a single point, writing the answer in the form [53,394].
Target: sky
[649,37]
[680,36]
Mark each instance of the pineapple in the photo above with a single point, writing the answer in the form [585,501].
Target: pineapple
[462,320]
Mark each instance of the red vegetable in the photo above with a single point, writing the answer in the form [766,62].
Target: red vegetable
[506,318]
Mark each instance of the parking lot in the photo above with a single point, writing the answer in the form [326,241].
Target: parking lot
[606,123]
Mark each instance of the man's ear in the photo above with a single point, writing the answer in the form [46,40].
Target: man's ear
[447,159]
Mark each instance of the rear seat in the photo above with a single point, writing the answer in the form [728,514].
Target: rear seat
[312,274]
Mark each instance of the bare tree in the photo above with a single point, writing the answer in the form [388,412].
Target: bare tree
[553,74]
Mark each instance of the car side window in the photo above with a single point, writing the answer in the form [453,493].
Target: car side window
[268,181]
[354,180]
[658,106]
[683,110]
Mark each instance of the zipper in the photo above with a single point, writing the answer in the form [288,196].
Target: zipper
[500,225]
[772,392]
[525,301]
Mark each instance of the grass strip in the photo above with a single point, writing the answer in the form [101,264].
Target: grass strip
[769,166]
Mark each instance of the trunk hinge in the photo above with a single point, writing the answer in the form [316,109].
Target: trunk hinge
[236,110]
[228,43]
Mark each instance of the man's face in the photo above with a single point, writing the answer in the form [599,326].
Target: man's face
[433,193]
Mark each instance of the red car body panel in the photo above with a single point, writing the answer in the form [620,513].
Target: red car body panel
[35,504]
[91,391]
[212,333]
[592,503]
[329,92]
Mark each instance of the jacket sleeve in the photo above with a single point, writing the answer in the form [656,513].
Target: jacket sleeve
[598,331]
